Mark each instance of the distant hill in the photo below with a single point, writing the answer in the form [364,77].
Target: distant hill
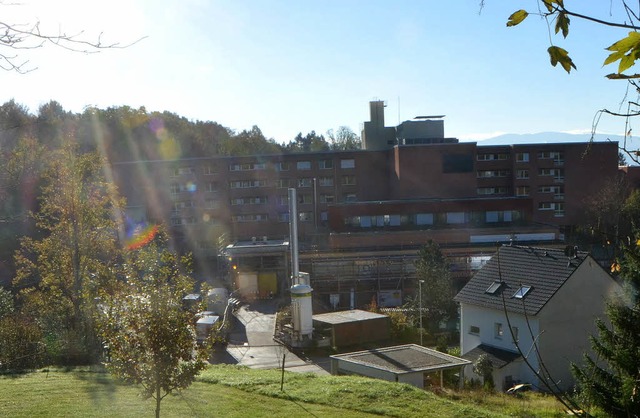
[547,137]
[560,137]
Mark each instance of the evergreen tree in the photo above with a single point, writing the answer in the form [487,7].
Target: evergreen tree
[611,379]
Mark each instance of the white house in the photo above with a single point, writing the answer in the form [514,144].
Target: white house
[545,299]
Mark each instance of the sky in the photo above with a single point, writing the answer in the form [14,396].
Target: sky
[301,66]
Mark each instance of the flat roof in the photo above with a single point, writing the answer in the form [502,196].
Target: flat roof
[257,247]
[401,359]
[342,317]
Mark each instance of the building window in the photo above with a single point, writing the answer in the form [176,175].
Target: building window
[556,173]
[209,169]
[326,198]
[283,200]
[475,330]
[492,173]
[305,182]
[350,163]
[258,217]
[556,156]
[303,165]
[455,217]
[557,208]
[305,216]
[522,157]
[247,167]
[281,166]
[326,181]
[558,191]
[283,217]
[210,204]
[211,186]
[324,216]
[283,183]
[522,174]
[424,219]
[325,164]
[348,180]
[350,197]
[498,331]
[305,199]
[247,184]
[492,157]
[522,191]
[491,190]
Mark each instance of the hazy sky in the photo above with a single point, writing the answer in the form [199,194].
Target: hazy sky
[296,66]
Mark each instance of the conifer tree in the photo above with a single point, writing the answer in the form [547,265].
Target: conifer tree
[611,378]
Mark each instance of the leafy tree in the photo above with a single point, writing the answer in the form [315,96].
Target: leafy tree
[249,143]
[151,339]
[344,139]
[311,142]
[611,380]
[437,287]
[484,368]
[61,273]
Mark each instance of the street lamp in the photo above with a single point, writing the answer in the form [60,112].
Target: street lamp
[420,303]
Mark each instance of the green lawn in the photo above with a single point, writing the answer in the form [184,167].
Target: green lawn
[229,391]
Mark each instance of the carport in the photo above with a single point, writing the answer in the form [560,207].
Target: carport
[410,363]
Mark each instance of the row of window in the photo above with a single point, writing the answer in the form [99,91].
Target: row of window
[282,217]
[556,207]
[440,218]
[278,166]
[556,173]
[521,191]
[522,157]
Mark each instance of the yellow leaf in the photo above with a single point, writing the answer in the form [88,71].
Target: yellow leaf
[517,17]
[562,22]
[559,55]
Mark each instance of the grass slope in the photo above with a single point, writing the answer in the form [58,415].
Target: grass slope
[230,391]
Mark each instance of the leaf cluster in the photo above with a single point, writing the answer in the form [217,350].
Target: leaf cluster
[625,51]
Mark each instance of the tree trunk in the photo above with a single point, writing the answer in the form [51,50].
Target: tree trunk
[158,399]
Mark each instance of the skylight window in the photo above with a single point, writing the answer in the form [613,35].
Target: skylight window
[493,289]
[522,292]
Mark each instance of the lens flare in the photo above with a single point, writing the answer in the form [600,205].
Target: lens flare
[141,236]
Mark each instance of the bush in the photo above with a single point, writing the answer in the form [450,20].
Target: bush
[21,345]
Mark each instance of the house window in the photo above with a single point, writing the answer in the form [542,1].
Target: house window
[522,174]
[494,287]
[303,165]
[522,292]
[348,180]
[350,163]
[557,208]
[210,204]
[491,190]
[475,330]
[514,334]
[211,186]
[492,157]
[325,164]
[326,181]
[498,331]
[522,157]
[282,166]
[282,200]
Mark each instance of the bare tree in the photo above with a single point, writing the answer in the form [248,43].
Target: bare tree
[18,37]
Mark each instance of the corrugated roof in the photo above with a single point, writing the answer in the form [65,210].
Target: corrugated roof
[403,359]
[544,269]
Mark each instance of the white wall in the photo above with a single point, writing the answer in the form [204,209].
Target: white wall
[485,319]
[568,319]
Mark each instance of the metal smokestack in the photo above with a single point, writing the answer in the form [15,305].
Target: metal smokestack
[293,235]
